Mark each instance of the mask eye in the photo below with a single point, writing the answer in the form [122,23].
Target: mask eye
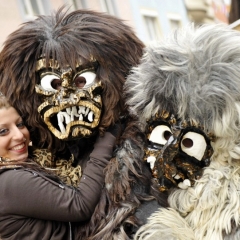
[84,79]
[194,145]
[160,134]
[51,82]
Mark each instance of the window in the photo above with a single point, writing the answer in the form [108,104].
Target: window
[174,24]
[152,26]
[152,29]
[77,4]
[109,7]
[33,8]
[174,21]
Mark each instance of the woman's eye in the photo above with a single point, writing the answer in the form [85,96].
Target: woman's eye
[160,134]
[21,125]
[194,145]
[3,132]
[84,79]
[51,82]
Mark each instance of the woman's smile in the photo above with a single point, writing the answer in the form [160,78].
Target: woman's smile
[20,147]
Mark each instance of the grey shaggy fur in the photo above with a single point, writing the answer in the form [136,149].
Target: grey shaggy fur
[193,73]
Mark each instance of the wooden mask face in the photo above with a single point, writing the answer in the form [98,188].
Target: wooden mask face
[71,99]
[177,151]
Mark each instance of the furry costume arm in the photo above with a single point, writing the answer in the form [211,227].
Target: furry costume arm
[127,165]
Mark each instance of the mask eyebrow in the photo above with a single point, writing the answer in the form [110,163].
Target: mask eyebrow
[41,64]
[87,65]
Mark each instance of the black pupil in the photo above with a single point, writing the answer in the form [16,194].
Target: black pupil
[80,82]
[167,134]
[187,142]
[56,83]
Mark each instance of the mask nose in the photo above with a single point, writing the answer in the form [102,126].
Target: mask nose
[67,80]
[164,168]
[170,149]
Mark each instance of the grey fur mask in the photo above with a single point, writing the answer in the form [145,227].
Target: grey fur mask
[177,151]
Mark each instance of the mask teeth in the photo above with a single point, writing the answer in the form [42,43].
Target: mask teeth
[151,160]
[85,112]
[185,184]
[176,176]
[70,114]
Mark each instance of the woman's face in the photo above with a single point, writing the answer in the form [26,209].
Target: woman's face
[14,136]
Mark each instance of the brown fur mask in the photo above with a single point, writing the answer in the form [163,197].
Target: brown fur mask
[67,38]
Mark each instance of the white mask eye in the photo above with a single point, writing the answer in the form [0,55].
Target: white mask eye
[84,79]
[160,134]
[51,82]
[194,145]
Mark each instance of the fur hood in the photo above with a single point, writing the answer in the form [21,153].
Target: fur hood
[195,74]
[68,38]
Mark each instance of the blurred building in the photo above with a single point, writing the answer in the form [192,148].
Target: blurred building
[208,11]
[234,15]
[151,19]
[154,19]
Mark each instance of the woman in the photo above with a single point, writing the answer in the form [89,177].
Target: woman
[34,203]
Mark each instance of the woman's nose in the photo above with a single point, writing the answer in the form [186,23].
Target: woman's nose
[18,134]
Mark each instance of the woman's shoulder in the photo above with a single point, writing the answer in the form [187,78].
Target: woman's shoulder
[13,179]
[13,172]
[21,176]
[7,170]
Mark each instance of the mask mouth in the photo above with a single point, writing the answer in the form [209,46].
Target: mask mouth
[72,121]
[181,179]
[178,179]
[72,114]
[182,171]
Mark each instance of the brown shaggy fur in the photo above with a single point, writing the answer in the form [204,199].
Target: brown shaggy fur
[68,38]
[130,195]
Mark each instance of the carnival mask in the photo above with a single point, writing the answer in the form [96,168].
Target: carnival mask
[71,100]
[177,151]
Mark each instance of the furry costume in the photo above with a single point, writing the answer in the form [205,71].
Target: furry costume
[82,42]
[64,74]
[187,91]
